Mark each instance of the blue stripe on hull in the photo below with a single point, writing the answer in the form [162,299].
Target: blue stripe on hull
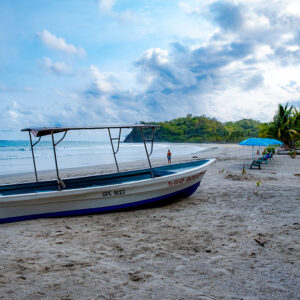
[179,194]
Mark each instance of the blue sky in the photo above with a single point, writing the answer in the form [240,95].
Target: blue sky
[81,63]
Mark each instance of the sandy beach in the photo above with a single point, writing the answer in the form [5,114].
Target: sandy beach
[237,237]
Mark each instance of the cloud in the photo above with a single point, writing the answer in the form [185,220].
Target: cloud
[106,5]
[186,7]
[165,74]
[247,63]
[242,70]
[104,99]
[185,80]
[155,57]
[126,16]
[292,7]
[226,15]
[15,115]
[57,68]
[254,82]
[102,83]
[58,43]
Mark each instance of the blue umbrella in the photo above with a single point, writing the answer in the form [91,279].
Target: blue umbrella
[273,142]
[254,142]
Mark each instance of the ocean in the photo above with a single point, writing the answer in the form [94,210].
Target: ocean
[15,155]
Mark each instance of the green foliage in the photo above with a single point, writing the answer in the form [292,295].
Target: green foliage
[270,149]
[292,153]
[198,129]
[285,126]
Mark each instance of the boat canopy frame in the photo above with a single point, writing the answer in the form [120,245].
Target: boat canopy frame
[44,131]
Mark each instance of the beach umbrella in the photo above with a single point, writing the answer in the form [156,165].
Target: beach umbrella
[254,142]
[273,142]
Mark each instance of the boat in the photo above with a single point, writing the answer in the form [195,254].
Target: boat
[98,193]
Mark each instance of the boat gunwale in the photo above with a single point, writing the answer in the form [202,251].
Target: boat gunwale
[52,194]
[106,175]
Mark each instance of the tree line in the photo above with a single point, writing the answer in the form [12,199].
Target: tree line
[201,129]
[198,129]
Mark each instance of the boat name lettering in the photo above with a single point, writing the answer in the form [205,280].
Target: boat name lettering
[113,193]
[183,180]
[176,182]
[194,176]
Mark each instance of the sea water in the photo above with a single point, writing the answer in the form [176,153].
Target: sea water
[15,155]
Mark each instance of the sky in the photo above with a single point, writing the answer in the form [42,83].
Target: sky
[95,62]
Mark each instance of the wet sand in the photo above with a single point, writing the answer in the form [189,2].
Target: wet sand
[232,239]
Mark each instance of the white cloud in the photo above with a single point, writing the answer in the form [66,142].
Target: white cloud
[195,6]
[293,48]
[186,7]
[19,116]
[262,52]
[105,100]
[158,56]
[58,43]
[126,16]
[254,21]
[58,68]
[236,59]
[163,73]
[106,5]
[244,70]
[101,80]
[292,7]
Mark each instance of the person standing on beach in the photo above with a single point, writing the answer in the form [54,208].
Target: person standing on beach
[169,156]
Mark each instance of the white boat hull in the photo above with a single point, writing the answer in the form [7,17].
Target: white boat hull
[100,198]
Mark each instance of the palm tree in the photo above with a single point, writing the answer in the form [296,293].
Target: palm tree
[295,125]
[266,130]
[285,126]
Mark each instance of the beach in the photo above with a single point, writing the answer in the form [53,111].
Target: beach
[237,237]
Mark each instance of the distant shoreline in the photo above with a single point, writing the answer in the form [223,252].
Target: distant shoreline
[104,168]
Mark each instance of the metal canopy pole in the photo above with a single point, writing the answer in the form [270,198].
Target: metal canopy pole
[113,148]
[151,140]
[32,152]
[146,149]
[60,183]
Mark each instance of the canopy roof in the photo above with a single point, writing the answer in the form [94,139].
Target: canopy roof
[41,131]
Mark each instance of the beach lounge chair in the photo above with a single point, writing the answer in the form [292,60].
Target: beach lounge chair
[266,157]
[256,163]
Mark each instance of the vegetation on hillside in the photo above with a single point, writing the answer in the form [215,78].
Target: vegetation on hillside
[198,129]
[284,127]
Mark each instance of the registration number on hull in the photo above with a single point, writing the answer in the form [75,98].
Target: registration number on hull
[112,193]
